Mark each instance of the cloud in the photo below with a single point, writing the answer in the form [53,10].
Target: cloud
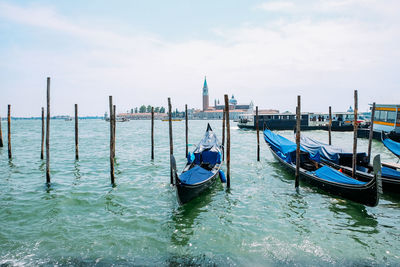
[277,6]
[271,62]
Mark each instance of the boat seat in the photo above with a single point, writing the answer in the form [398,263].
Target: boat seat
[308,165]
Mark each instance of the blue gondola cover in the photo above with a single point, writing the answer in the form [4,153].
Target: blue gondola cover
[392,146]
[332,175]
[190,157]
[222,176]
[328,152]
[285,148]
[195,175]
[390,173]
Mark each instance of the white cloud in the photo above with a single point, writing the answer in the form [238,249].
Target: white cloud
[277,6]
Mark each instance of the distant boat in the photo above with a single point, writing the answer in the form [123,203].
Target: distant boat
[172,120]
[118,119]
[202,168]
[121,119]
[341,121]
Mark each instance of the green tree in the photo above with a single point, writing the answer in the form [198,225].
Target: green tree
[136,110]
[142,109]
[162,110]
[148,109]
[157,110]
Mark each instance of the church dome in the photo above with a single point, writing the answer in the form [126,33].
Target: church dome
[233,101]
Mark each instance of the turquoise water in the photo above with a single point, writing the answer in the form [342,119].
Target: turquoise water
[262,220]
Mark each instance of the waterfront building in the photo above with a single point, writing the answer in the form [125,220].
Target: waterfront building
[216,111]
[205,95]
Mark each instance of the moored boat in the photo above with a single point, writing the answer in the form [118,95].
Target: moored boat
[392,145]
[322,176]
[341,121]
[340,159]
[201,170]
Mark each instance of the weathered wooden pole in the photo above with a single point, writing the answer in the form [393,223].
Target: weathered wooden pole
[371,132]
[42,143]
[223,135]
[1,135]
[171,145]
[258,135]
[76,133]
[330,125]
[9,131]
[152,133]
[186,130]
[228,143]
[114,128]
[48,133]
[298,117]
[355,124]
[111,141]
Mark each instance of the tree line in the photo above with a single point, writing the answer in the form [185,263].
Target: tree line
[147,109]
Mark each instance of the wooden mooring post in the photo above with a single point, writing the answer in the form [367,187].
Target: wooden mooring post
[186,131]
[371,132]
[48,134]
[9,131]
[171,145]
[1,135]
[111,141]
[152,133]
[330,125]
[114,128]
[223,135]
[258,135]
[298,119]
[228,143]
[42,143]
[355,124]
[76,133]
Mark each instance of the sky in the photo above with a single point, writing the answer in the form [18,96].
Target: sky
[142,52]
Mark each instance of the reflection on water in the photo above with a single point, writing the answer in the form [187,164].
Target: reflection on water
[354,217]
[185,215]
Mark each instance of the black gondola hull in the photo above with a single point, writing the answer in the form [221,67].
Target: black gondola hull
[367,194]
[388,184]
[186,193]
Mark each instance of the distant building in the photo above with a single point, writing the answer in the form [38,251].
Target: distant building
[205,95]
[216,112]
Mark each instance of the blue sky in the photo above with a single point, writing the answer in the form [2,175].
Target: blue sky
[142,52]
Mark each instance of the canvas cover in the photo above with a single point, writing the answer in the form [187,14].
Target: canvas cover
[332,175]
[327,152]
[393,146]
[209,142]
[390,173]
[285,148]
[208,150]
[195,175]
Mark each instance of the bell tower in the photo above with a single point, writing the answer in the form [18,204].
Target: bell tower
[205,95]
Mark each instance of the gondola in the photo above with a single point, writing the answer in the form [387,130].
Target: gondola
[202,168]
[341,159]
[393,146]
[322,176]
